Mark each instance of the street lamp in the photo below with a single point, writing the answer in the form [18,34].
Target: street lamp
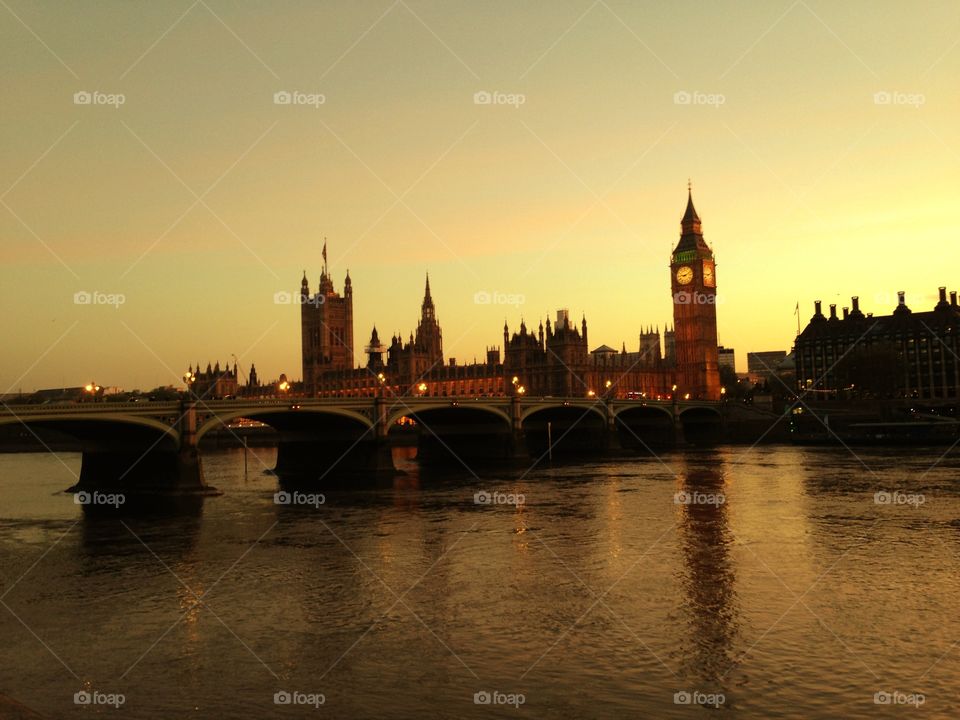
[422,387]
[283,384]
[521,389]
[92,389]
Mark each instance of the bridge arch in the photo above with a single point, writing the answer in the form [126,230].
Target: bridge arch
[415,409]
[86,428]
[266,414]
[702,424]
[589,405]
[643,426]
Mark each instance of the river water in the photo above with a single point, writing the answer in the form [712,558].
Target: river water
[762,583]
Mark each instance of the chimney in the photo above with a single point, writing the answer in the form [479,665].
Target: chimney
[901,297]
[856,303]
[833,311]
[817,304]
[846,313]
[942,305]
[953,298]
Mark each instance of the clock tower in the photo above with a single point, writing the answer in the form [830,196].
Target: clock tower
[694,286]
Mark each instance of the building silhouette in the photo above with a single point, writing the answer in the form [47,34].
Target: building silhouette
[904,354]
[555,360]
[326,327]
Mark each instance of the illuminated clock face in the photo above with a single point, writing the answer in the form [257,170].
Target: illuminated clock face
[685,275]
[708,278]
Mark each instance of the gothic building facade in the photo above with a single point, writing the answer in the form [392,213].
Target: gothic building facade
[326,327]
[553,361]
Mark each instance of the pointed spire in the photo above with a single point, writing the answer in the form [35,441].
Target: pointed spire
[426,292]
[690,217]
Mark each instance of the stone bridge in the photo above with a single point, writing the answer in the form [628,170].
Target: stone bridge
[154,446]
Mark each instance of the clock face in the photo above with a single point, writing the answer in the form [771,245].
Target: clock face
[685,275]
[708,278]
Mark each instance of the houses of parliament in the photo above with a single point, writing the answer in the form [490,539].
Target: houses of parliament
[552,360]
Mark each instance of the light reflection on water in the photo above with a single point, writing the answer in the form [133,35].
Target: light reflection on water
[601,596]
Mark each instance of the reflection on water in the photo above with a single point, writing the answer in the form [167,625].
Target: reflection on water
[710,582]
[770,576]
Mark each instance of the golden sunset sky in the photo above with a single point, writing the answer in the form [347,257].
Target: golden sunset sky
[820,137]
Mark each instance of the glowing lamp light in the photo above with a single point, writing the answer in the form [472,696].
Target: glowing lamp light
[607,384]
[521,389]
[422,387]
[686,396]
[591,393]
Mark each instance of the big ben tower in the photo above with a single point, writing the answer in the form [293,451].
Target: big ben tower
[694,286]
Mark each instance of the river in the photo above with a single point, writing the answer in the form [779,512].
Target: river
[762,582]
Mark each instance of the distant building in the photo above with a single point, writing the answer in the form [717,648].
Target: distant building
[762,365]
[554,360]
[326,327]
[902,355]
[214,383]
[726,358]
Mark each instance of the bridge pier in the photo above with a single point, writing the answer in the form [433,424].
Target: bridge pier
[152,470]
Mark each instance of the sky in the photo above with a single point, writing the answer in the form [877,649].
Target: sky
[156,193]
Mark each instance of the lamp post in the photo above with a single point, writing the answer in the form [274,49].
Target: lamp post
[422,388]
[91,388]
[189,378]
